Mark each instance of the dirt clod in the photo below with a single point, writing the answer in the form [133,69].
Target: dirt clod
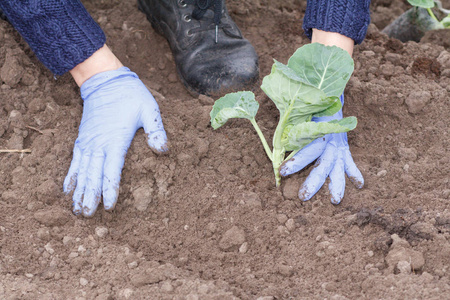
[52,216]
[426,66]
[11,72]
[142,197]
[232,237]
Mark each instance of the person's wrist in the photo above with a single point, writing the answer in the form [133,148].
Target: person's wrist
[333,39]
[101,61]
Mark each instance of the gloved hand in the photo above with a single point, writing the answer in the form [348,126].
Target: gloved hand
[334,160]
[116,105]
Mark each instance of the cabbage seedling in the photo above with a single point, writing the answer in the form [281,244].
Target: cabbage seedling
[308,86]
[428,5]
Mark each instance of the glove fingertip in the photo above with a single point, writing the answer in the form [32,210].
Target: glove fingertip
[357,181]
[158,141]
[76,207]
[336,199]
[353,173]
[69,183]
[286,168]
[110,199]
[88,212]
[111,190]
[304,194]
[89,209]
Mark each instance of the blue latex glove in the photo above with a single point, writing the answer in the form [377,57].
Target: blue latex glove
[334,160]
[116,105]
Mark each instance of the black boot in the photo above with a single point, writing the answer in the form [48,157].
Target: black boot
[211,56]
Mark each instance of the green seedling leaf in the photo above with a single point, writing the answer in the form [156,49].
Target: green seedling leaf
[324,67]
[294,99]
[446,21]
[234,105]
[330,110]
[302,134]
[422,3]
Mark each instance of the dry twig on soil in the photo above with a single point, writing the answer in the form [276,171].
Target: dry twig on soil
[15,151]
[35,129]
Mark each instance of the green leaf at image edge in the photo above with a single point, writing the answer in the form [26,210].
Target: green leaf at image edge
[234,105]
[422,3]
[302,134]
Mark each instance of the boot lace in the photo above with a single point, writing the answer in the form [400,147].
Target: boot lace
[201,7]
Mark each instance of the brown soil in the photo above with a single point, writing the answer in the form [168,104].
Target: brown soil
[215,226]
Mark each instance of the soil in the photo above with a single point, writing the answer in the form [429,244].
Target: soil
[214,225]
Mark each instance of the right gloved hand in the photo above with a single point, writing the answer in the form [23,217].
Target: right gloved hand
[334,160]
[116,105]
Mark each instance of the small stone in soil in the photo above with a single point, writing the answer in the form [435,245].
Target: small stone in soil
[101,231]
[244,248]
[290,224]
[43,234]
[382,173]
[416,101]
[167,287]
[282,218]
[49,248]
[404,267]
[83,281]
[67,240]
[172,78]
[127,293]
[286,271]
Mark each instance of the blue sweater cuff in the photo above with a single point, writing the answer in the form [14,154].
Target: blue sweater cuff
[61,33]
[347,17]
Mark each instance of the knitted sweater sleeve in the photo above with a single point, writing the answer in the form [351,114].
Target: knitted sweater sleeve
[61,33]
[347,17]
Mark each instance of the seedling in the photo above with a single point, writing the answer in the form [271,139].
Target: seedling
[428,5]
[308,86]
[415,22]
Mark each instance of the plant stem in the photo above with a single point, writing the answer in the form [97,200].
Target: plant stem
[263,139]
[278,148]
[432,14]
[278,156]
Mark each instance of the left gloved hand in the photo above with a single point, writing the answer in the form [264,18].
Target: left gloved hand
[116,105]
[334,160]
